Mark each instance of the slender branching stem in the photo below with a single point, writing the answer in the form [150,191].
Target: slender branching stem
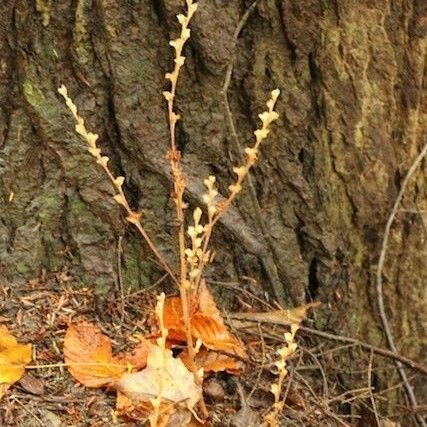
[179,181]
[242,171]
[120,197]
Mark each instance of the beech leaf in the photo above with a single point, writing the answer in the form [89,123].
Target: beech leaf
[207,325]
[88,354]
[13,359]
[168,378]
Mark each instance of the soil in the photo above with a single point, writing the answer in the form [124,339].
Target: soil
[39,311]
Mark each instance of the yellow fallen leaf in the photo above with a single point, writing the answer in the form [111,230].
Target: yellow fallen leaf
[13,359]
[168,378]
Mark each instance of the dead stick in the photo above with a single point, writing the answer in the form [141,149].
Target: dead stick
[378,350]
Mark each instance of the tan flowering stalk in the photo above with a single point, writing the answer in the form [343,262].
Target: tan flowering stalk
[174,157]
[161,342]
[215,211]
[290,347]
[194,254]
[132,216]
[196,257]
[267,117]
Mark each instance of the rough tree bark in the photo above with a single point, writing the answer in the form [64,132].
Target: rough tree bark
[353,115]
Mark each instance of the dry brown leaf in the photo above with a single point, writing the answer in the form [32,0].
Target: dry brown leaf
[283,317]
[13,359]
[169,379]
[88,354]
[137,358]
[32,384]
[206,322]
[172,315]
[169,415]
[211,361]
[139,411]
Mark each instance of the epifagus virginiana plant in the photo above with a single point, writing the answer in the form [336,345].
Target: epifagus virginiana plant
[193,239]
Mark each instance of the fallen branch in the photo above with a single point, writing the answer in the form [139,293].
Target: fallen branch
[377,350]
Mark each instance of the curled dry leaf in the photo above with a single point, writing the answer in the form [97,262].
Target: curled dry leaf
[137,411]
[172,315]
[170,416]
[207,325]
[89,356]
[169,379]
[13,359]
[32,384]
[281,317]
[212,361]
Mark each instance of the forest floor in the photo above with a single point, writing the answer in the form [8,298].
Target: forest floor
[39,311]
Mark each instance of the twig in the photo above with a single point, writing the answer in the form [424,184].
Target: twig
[235,286]
[27,409]
[290,379]
[371,395]
[379,286]
[120,197]
[322,371]
[321,404]
[258,379]
[378,350]
[120,279]
[147,289]
[267,259]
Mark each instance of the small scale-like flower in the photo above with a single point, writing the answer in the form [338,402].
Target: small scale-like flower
[235,188]
[168,95]
[181,19]
[194,273]
[197,215]
[180,60]
[103,160]
[96,152]
[261,134]
[252,154]
[119,181]
[240,171]
[119,199]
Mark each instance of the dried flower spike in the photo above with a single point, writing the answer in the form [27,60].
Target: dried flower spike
[288,349]
[120,198]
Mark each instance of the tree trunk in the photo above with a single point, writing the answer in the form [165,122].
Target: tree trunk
[352,120]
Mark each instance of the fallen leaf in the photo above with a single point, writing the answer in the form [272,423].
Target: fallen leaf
[207,325]
[13,359]
[174,323]
[137,358]
[211,361]
[31,384]
[138,411]
[282,317]
[88,354]
[169,379]
[245,417]
[213,390]
[50,419]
